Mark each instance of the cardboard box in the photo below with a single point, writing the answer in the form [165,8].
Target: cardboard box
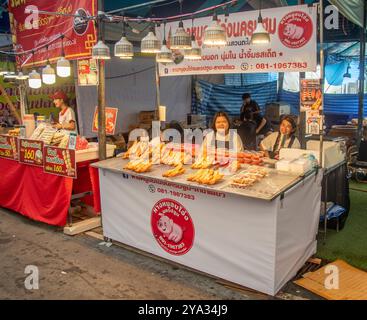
[146,116]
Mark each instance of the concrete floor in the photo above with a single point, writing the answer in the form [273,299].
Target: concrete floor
[80,268]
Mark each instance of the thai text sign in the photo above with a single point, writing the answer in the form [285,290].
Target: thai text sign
[31,29]
[30,152]
[59,161]
[8,147]
[292,44]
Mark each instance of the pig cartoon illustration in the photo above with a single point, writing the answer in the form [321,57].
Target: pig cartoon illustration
[169,229]
[293,31]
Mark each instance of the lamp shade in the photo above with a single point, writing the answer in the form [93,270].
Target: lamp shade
[215,35]
[21,76]
[181,39]
[260,35]
[150,43]
[48,75]
[165,55]
[63,69]
[34,80]
[124,48]
[100,51]
[194,53]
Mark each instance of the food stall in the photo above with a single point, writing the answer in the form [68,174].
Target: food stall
[249,224]
[41,174]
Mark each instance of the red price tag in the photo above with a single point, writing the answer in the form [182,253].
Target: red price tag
[31,152]
[59,161]
[8,147]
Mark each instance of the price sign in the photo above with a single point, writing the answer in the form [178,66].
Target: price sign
[31,152]
[59,161]
[8,147]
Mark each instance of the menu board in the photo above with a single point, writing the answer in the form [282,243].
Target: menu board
[31,152]
[8,147]
[59,161]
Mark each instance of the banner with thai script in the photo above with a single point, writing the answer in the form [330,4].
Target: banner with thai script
[33,30]
[30,152]
[59,161]
[292,47]
[8,147]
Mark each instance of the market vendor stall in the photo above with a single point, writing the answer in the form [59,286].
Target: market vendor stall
[34,183]
[255,233]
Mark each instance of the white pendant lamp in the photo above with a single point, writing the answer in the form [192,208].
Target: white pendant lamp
[48,73]
[260,35]
[100,51]
[34,80]
[150,43]
[21,76]
[165,54]
[195,52]
[63,69]
[181,40]
[215,35]
[124,48]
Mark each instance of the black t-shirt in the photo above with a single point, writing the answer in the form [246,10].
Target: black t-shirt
[252,106]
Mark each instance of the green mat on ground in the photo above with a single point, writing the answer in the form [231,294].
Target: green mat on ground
[349,244]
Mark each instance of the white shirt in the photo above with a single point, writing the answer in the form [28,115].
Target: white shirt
[234,146]
[68,116]
[269,142]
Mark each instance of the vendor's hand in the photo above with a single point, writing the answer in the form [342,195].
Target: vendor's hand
[57,126]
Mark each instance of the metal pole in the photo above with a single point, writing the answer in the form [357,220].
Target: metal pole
[157,86]
[101,97]
[22,98]
[321,11]
[361,77]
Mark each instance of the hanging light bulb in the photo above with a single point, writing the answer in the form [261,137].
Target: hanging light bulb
[150,43]
[21,76]
[100,51]
[48,73]
[260,35]
[195,52]
[165,54]
[63,69]
[124,48]
[215,35]
[181,39]
[34,80]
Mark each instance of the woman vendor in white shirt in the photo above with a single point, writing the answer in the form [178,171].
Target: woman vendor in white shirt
[285,138]
[66,115]
[221,137]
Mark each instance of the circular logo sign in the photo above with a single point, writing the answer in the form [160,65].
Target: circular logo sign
[172,227]
[81,22]
[295,29]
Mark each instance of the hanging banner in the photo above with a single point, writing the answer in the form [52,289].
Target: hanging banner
[311,95]
[8,147]
[32,29]
[111,118]
[292,46]
[30,152]
[88,72]
[59,161]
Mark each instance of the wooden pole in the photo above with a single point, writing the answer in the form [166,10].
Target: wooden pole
[361,77]
[322,71]
[11,105]
[102,155]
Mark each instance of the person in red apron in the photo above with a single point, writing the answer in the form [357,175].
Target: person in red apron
[284,138]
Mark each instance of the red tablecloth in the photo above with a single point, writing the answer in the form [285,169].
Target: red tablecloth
[41,196]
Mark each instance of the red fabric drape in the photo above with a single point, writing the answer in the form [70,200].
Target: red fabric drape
[41,196]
